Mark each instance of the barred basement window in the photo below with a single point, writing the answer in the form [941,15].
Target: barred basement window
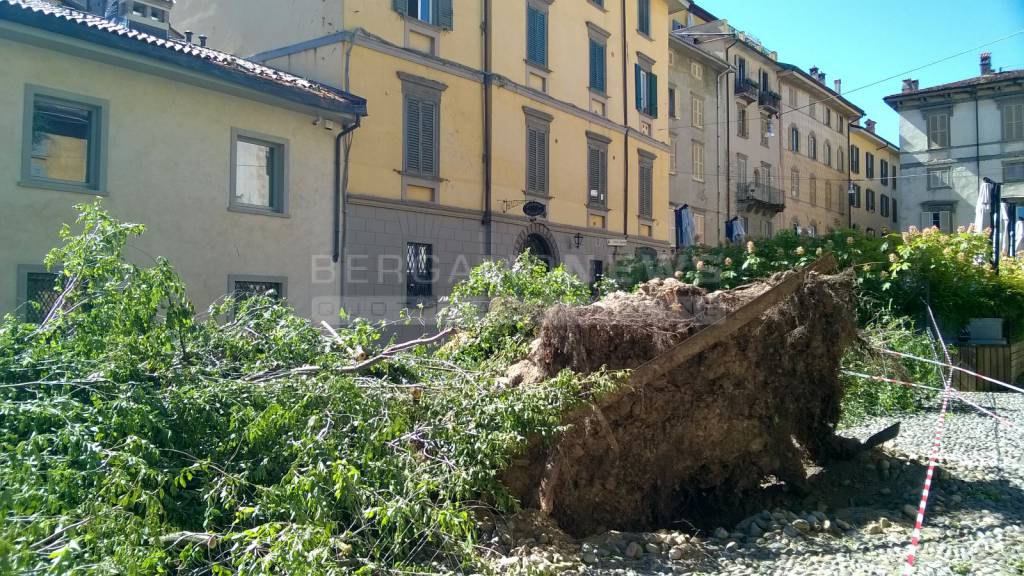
[419,262]
[243,289]
[40,295]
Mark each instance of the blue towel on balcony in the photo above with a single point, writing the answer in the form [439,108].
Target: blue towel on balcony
[684,227]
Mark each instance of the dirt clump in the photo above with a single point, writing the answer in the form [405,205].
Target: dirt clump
[692,442]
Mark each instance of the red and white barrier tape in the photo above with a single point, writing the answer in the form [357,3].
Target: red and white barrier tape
[957,395]
[957,368]
[915,537]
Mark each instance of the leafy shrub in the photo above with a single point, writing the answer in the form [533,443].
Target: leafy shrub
[136,438]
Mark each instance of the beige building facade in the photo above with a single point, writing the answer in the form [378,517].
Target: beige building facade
[874,167]
[477,111]
[229,165]
[814,133]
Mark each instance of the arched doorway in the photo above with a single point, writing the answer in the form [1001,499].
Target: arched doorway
[540,242]
[540,248]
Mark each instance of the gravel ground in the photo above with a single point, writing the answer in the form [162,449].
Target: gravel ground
[857,520]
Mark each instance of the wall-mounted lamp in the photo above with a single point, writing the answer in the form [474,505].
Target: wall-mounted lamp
[577,240]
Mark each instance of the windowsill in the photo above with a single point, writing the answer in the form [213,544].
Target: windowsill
[540,195]
[598,93]
[420,177]
[602,208]
[596,5]
[426,301]
[646,220]
[414,21]
[701,180]
[644,35]
[243,209]
[541,68]
[61,187]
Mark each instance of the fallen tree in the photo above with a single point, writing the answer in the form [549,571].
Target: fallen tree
[727,389]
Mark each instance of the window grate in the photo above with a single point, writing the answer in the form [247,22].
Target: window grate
[41,295]
[245,289]
[419,270]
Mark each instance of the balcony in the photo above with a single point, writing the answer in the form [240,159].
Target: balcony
[747,90]
[769,101]
[759,197]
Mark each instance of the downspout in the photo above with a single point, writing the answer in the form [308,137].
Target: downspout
[849,179]
[718,143]
[728,140]
[488,105]
[625,123]
[977,144]
[340,189]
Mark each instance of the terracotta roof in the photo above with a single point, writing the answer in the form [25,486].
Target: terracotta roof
[976,81]
[219,65]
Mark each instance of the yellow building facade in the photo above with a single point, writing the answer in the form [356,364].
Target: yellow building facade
[814,129]
[478,110]
[874,162]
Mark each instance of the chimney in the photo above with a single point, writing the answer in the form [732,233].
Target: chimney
[986,63]
[813,71]
[821,77]
[839,85]
[188,36]
[202,40]
[870,124]
[909,85]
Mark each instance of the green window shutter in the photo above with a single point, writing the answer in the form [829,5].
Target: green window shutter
[401,6]
[445,18]
[542,162]
[593,65]
[652,95]
[593,173]
[428,138]
[412,136]
[638,79]
[536,36]
[532,145]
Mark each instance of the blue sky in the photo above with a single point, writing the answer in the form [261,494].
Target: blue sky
[867,40]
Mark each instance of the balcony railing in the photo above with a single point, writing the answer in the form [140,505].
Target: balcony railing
[760,197]
[747,89]
[769,100]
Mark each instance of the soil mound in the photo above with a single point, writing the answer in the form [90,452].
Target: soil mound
[728,389]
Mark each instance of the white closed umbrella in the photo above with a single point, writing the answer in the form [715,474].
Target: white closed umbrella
[983,208]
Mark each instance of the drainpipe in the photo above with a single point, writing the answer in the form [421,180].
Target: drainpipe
[849,180]
[625,122]
[728,139]
[488,105]
[340,192]
[977,145]
[718,142]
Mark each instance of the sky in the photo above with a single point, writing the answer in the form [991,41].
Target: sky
[865,41]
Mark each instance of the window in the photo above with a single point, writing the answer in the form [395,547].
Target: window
[893,176]
[794,139]
[598,65]
[436,12]
[840,159]
[259,166]
[895,212]
[828,117]
[828,153]
[537,34]
[597,3]
[869,165]
[938,178]
[538,126]
[855,159]
[697,114]
[646,185]
[883,208]
[741,168]
[829,198]
[764,130]
[422,144]
[1013,121]
[646,88]
[810,109]
[419,270]
[812,146]
[698,161]
[855,195]
[245,287]
[697,70]
[672,103]
[1013,171]
[643,18]
[699,221]
[741,122]
[938,129]
[157,15]
[596,275]
[938,218]
[794,183]
[869,200]
[883,166]
[673,164]
[63,142]
[37,292]
[597,169]
[840,123]
[812,185]
[792,97]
